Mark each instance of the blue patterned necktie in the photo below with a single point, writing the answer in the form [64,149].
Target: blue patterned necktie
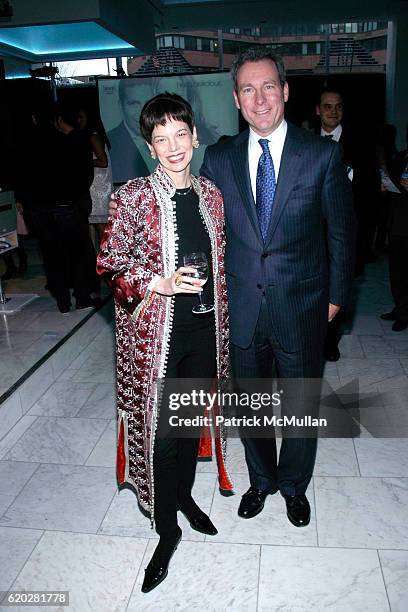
[265,187]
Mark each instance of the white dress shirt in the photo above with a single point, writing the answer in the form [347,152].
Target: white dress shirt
[276,142]
[335,134]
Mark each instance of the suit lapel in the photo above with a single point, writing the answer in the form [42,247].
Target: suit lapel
[288,173]
[241,172]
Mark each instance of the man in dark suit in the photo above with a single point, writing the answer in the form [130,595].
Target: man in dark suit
[398,239]
[362,171]
[330,111]
[287,202]
[359,154]
[128,149]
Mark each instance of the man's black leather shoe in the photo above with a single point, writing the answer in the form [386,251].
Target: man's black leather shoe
[388,316]
[399,325]
[64,307]
[155,575]
[202,523]
[298,510]
[332,354]
[253,501]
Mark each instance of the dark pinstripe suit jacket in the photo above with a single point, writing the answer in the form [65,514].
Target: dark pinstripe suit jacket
[127,162]
[312,213]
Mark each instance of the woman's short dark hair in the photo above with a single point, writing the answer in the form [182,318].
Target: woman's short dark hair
[256,54]
[159,109]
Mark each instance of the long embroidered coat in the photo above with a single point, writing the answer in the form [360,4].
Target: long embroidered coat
[140,243]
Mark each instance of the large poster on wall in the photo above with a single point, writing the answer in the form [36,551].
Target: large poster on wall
[121,101]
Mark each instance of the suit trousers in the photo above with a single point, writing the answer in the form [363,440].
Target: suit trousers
[293,471]
[63,232]
[192,355]
[398,255]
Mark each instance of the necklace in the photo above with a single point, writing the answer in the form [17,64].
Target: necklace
[184,193]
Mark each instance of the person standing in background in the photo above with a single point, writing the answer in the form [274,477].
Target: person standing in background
[101,187]
[330,112]
[360,160]
[129,154]
[398,241]
[60,218]
[359,155]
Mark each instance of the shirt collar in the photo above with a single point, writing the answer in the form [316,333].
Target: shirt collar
[276,137]
[336,133]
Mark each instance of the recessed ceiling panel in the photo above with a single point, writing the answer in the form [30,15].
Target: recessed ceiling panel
[62,38]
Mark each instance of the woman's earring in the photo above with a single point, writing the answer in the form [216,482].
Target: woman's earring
[196,144]
[152,154]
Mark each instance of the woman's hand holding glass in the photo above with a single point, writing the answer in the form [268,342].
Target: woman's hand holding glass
[179,282]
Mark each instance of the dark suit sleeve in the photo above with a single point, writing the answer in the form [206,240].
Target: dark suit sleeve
[206,169]
[337,204]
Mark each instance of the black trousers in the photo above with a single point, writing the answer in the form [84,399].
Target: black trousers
[398,263]
[21,256]
[63,232]
[293,471]
[192,355]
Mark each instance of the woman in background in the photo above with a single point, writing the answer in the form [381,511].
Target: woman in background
[101,187]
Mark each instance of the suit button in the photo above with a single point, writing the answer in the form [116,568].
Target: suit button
[264,255]
[259,286]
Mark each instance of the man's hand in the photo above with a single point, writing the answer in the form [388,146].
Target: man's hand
[333,310]
[112,204]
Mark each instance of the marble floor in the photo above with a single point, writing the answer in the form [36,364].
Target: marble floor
[64,526]
[26,336]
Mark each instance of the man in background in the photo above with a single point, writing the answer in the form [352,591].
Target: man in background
[129,153]
[60,212]
[359,155]
[359,158]
[398,242]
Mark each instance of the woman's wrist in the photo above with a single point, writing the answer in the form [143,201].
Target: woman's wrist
[152,285]
[159,285]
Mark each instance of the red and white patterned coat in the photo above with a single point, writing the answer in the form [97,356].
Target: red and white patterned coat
[140,243]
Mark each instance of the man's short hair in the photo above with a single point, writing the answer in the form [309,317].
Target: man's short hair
[127,84]
[256,54]
[329,90]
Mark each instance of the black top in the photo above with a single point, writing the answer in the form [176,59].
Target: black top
[75,166]
[193,238]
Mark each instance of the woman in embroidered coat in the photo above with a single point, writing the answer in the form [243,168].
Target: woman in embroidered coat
[160,218]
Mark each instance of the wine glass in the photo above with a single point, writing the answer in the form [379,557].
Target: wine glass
[200,263]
